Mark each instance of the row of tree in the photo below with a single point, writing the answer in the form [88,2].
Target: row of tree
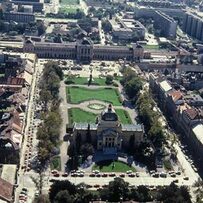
[49,131]
[116,191]
[131,82]
[150,118]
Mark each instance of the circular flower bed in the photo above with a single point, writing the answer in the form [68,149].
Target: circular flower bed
[96,106]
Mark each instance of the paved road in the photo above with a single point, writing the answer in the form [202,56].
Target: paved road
[101,33]
[63,109]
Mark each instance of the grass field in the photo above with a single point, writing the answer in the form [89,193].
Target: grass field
[108,166]
[151,46]
[123,116]
[70,2]
[68,9]
[77,95]
[78,115]
[84,81]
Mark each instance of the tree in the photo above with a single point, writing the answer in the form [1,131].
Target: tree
[116,189]
[63,197]
[86,150]
[58,186]
[88,135]
[45,97]
[90,80]
[132,87]
[132,142]
[38,182]
[109,79]
[106,26]
[42,199]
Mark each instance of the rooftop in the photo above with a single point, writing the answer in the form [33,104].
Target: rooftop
[198,131]
[165,86]
[6,190]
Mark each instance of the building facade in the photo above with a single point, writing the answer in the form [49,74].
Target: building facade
[108,134]
[193,25]
[19,17]
[84,51]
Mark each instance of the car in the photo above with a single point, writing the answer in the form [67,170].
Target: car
[129,172]
[176,181]
[74,174]
[92,175]
[132,175]
[163,175]
[178,173]
[98,175]
[122,175]
[54,172]
[186,178]
[64,174]
[56,175]
[97,186]
[80,175]
[137,174]
[24,189]
[155,175]
[104,175]
[173,175]
[112,174]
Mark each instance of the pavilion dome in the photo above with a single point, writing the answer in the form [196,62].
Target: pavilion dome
[109,114]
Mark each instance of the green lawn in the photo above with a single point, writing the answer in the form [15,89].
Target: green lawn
[78,115]
[67,9]
[70,2]
[55,163]
[79,94]
[107,166]
[123,116]
[84,81]
[151,46]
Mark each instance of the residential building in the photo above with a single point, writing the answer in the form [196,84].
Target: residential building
[185,110]
[193,25]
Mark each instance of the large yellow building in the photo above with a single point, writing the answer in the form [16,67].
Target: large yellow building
[108,134]
[84,51]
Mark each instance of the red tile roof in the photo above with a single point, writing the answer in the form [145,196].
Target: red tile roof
[176,95]
[6,190]
[192,113]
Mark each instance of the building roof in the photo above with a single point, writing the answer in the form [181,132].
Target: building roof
[198,131]
[9,173]
[165,86]
[6,190]
[109,114]
[192,113]
[84,126]
[176,95]
[132,127]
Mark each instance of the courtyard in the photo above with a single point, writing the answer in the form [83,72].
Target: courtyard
[77,95]
[81,116]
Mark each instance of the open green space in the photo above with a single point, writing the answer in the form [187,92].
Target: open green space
[70,2]
[84,81]
[80,116]
[151,46]
[77,95]
[112,166]
[68,9]
[123,116]
[55,163]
